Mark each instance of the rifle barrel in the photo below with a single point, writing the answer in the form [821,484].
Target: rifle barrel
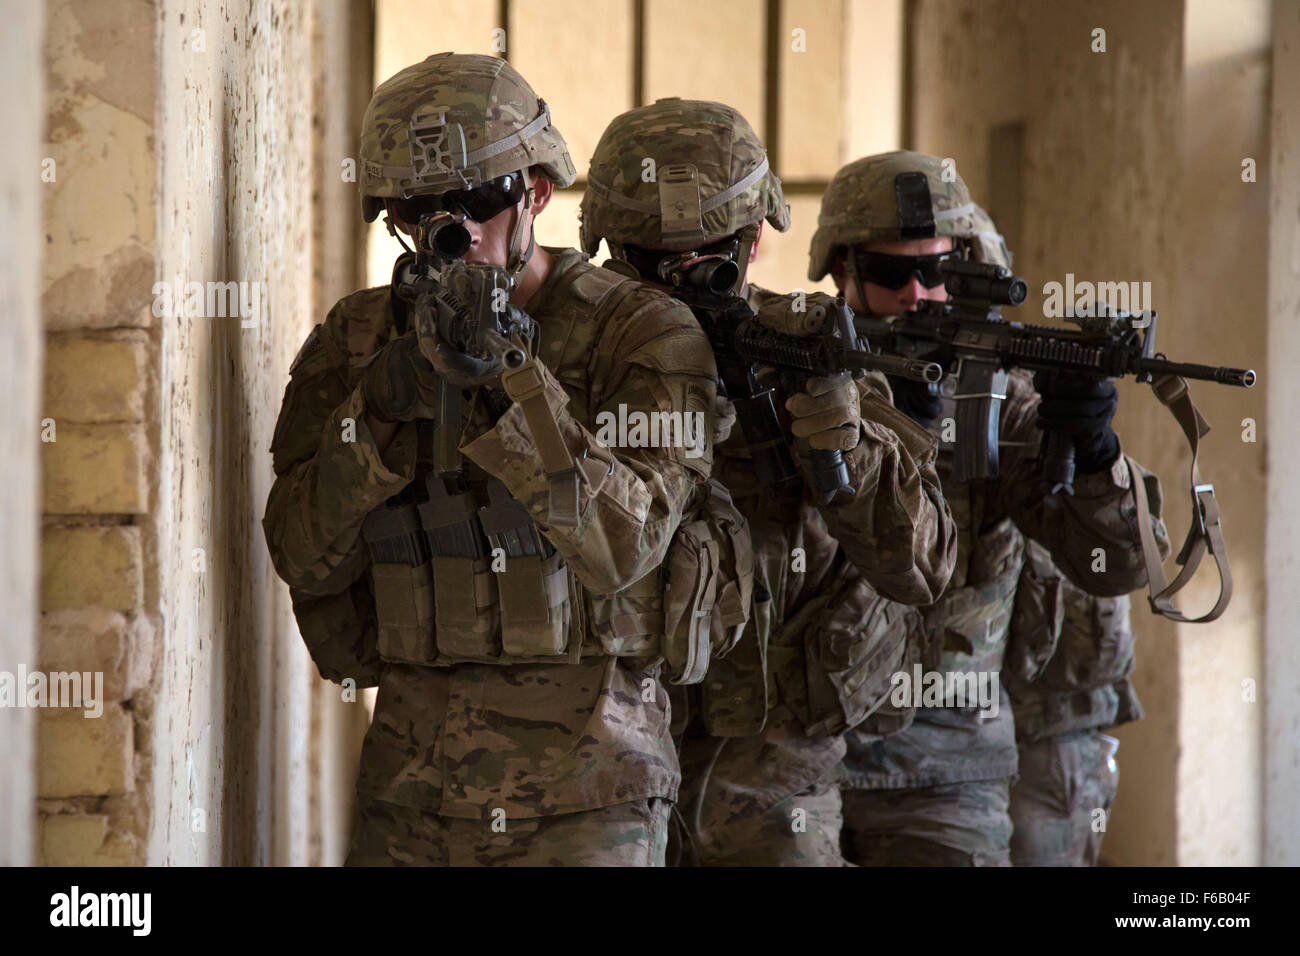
[898,366]
[1242,377]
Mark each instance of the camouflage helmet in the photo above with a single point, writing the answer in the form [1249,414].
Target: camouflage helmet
[887,198]
[454,121]
[987,244]
[678,170]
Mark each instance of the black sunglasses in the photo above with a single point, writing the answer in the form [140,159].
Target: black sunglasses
[893,272]
[480,204]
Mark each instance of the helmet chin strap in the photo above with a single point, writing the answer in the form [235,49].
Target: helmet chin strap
[748,236]
[393,231]
[518,257]
[850,264]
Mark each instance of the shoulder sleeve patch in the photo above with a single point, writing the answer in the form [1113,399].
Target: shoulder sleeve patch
[591,284]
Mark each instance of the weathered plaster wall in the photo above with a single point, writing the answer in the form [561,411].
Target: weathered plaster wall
[1223,233]
[21,71]
[1282,658]
[1129,169]
[243,169]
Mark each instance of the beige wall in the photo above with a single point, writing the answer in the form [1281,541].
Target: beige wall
[251,118]
[202,143]
[1281,697]
[20,369]
[838,90]
[1130,169]
[1223,230]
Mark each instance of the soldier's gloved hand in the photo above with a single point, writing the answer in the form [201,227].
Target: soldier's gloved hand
[399,384]
[1082,407]
[724,419]
[914,400]
[827,412]
[441,308]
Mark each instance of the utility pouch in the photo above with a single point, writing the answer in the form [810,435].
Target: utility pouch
[402,583]
[1037,617]
[708,586]
[692,569]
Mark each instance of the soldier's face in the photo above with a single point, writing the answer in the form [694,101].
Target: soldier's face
[490,241]
[885,301]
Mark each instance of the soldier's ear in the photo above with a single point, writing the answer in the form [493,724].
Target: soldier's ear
[753,250]
[542,188]
[837,270]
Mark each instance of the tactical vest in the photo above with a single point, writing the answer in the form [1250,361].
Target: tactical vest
[463,575]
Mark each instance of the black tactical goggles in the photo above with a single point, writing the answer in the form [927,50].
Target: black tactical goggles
[893,272]
[480,204]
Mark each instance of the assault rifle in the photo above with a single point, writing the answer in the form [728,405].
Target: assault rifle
[968,337]
[461,310]
[793,338]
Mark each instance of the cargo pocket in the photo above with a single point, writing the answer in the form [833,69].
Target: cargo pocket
[534,595]
[465,601]
[692,567]
[404,602]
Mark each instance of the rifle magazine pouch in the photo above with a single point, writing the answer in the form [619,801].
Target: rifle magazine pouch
[532,578]
[402,583]
[534,595]
[465,598]
[404,599]
[693,572]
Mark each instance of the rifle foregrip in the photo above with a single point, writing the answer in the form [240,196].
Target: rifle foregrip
[1057,459]
[830,476]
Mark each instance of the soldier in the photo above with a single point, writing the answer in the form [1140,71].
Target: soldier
[759,757]
[937,792]
[1067,670]
[458,537]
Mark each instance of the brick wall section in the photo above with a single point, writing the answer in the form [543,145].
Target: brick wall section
[98,580]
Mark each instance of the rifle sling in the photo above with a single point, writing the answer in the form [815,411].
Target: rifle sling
[1206,531]
[526,386]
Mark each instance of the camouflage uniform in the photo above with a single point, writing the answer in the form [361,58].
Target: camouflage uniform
[498,736]
[937,792]
[759,757]
[1067,670]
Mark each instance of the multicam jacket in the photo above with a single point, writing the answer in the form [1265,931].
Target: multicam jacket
[578,728]
[968,629]
[829,641]
[1069,655]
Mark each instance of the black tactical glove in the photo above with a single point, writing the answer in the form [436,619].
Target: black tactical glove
[399,384]
[914,400]
[1082,407]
